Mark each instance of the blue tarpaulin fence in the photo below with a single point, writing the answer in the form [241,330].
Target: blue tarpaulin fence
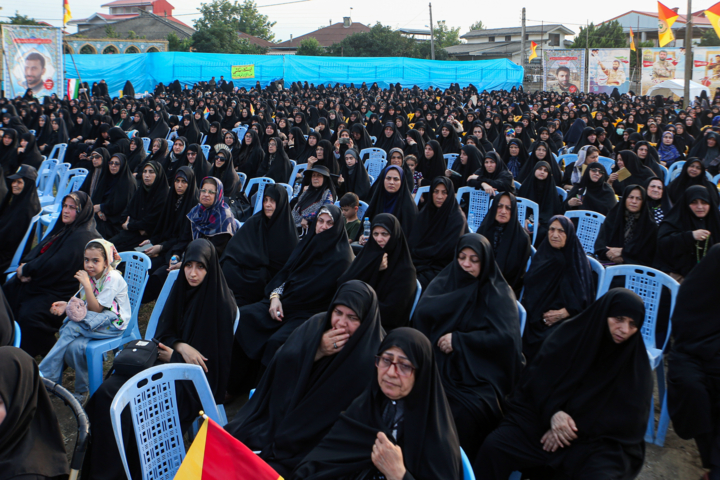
[148,69]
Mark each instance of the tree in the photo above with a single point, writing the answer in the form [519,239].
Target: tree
[223,38]
[18,19]
[446,37]
[177,45]
[380,41]
[709,38]
[110,32]
[242,17]
[607,35]
[479,25]
[310,47]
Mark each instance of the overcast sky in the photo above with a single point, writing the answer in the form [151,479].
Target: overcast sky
[300,18]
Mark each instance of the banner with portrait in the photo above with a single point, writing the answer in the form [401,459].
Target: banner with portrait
[706,66]
[609,68]
[661,64]
[32,58]
[564,71]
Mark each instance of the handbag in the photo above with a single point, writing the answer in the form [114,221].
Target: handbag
[76,310]
[135,357]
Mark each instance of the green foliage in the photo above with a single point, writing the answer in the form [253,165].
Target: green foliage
[18,19]
[110,32]
[607,35]
[479,25]
[223,38]
[446,37]
[310,47]
[709,38]
[134,36]
[242,17]
[177,45]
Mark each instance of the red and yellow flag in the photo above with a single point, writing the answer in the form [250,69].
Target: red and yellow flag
[217,455]
[533,46]
[67,15]
[632,40]
[713,14]
[666,19]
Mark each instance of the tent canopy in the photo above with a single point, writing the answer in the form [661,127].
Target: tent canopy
[677,87]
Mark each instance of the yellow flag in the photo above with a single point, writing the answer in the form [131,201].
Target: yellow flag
[713,14]
[666,19]
[632,40]
[533,47]
[67,15]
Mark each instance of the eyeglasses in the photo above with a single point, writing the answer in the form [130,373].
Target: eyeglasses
[114,164]
[207,192]
[95,155]
[192,154]
[384,362]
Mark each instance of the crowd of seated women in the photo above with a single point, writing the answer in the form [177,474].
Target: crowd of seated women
[376,350]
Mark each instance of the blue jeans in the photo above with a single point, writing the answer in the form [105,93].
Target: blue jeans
[70,347]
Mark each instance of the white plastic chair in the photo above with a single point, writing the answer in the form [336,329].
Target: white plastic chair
[153,407]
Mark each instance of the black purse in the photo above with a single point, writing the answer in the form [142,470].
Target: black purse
[135,357]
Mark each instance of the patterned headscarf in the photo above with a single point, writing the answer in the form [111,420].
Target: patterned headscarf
[214,220]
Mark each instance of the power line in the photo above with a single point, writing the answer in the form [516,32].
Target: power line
[259,6]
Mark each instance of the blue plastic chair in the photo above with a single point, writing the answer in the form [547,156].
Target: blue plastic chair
[243,179]
[132,133]
[479,204]
[66,185]
[288,188]
[206,150]
[15,262]
[58,152]
[54,178]
[362,208]
[47,166]
[523,317]
[666,173]
[297,170]
[153,408]
[649,283]
[562,193]
[375,166]
[468,473]
[600,271]
[419,193]
[716,179]
[260,182]
[373,152]
[588,227]
[374,139]
[450,159]
[418,293]
[533,251]
[674,171]
[160,304]
[137,271]
[17,337]
[240,132]
[517,185]
[608,163]
[523,204]
[568,159]
[146,143]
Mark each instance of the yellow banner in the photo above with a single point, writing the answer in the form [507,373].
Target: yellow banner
[243,71]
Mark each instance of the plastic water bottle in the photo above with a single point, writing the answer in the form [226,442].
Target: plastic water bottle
[471,221]
[366,228]
[174,260]
[296,189]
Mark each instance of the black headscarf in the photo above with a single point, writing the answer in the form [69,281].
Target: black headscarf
[16,211]
[276,165]
[481,314]
[174,161]
[582,371]
[314,194]
[31,444]
[677,249]
[396,285]
[8,154]
[300,151]
[251,156]
[510,242]
[394,141]
[501,179]
[434,167]
[436,232]
[173,221]
[544,193]
[31,156]
[684,181]
[640,174]
[7,322]
[474,162]
[400,204]
[355,179]
[201,167]
[160,129]
[148,203]
[558,278]
[635,233]
[596,196]
[451,143]
[428,438]
[92,180]
[201,316]
[114,192]
[260,249]
[299,399]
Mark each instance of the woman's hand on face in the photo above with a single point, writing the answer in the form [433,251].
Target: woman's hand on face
[276,310]
[701,234]
[384,262]
[191,356]
[388,458]
[575,202]
[332,342]
[564,428]
[445,343]
[82,277]
[164,353]
[58,308]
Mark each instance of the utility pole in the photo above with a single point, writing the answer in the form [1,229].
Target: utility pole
[688,56]
[522,40]
[432,35]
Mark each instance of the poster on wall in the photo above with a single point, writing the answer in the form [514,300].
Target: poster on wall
[609,68]
[32,60]
[706,66]
[564,71]
[660,64]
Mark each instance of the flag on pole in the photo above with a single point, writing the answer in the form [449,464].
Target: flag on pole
[713,14]
[533,46]
[73,88]
[666,19]
[67,14]
[632,40]
[217,455]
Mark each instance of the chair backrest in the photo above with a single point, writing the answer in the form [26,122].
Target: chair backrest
[674,171]
[375,166]
[240,132]
[206,150]
[523,317]
[568,158]
[374,139]
[716,179]
[665,172]
[153,408]
[32,131]
[160,304]
[15,262]
[450,159]
[599,270]
[67,183]
[517,185]
[420,192]
[418,292]
[58,151]
[76,182]
[608,163]
[203,137]
[137,273]
[562,193]
[588,227]
[523,205]
[56,179]
[362,209]
[146,143]
[132,133]
[172,135]
[243,178]
[373,153]
[297,170]
[288,188]
[468,472]
[260,182]
[17,336]
[47,170]
[479,204]
[648,283]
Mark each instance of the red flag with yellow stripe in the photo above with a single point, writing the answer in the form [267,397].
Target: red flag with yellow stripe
[217,455]
[666,19]
[632,40]
[533,47]
[713,14]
